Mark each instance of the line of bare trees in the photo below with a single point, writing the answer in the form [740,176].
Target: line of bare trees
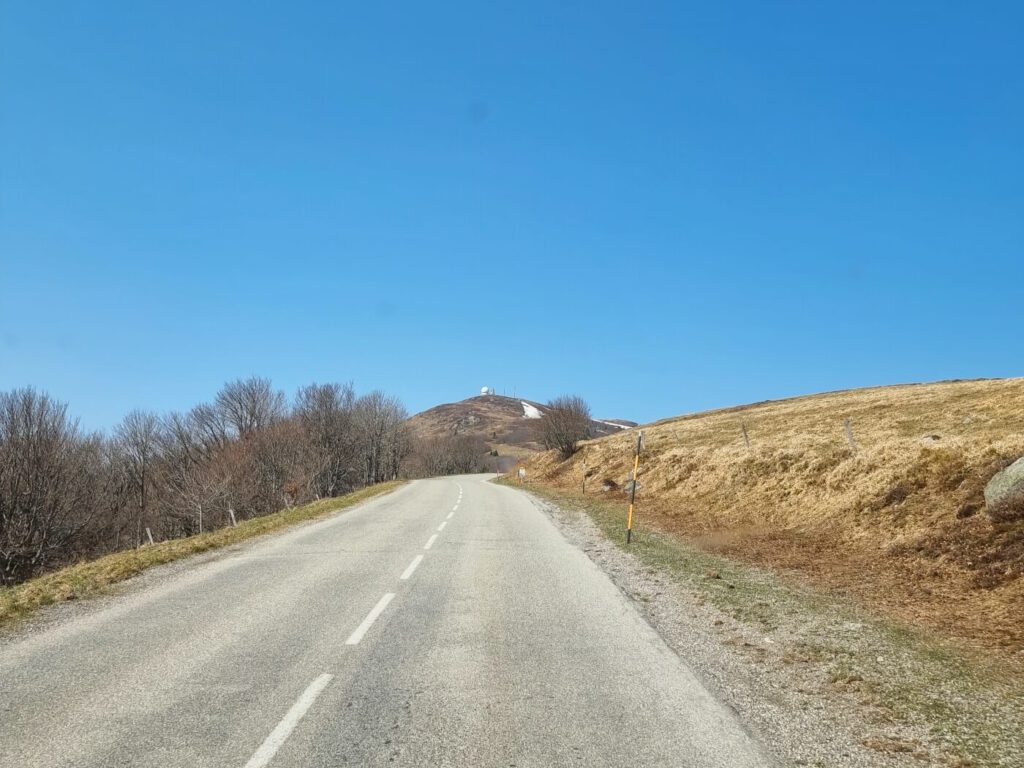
[67,494]
[449,455]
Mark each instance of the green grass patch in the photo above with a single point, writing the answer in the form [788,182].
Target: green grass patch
[94,577]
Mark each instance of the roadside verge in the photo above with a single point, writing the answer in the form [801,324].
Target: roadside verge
[823,682]
[94,577]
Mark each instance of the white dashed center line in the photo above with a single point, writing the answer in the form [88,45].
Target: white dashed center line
[371,617]
[412,567]
[284,729]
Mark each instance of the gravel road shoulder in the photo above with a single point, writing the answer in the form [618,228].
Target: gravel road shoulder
[820,683]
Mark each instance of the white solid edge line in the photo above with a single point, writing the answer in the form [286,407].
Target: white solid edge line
[450,515]
[284,729]
[430,541]
[442,525]
[371,617]
[412,567]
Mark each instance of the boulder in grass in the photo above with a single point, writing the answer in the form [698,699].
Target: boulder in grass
[1004,494]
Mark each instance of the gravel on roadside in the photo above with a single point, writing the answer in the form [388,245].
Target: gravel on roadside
[816,681]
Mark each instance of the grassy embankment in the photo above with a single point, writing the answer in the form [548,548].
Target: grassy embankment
[895,521]
[94,577]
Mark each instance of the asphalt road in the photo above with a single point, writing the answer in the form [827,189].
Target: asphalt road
[500,645]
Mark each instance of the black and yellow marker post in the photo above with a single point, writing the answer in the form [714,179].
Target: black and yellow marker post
[632,491]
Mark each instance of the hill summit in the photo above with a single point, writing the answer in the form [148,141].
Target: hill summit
[506,424]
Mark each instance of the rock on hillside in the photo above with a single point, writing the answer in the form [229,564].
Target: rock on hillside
[1004,494]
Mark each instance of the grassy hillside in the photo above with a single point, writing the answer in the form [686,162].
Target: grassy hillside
[895,519]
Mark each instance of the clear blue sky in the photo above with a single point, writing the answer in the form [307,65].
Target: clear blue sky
[662,206]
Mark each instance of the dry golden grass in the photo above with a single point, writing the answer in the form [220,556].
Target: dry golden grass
[516,451]
[95,576]
[898,522]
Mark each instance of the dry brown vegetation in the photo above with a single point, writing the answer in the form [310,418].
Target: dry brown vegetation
[896,519]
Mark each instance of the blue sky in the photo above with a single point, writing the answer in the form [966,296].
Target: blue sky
[664,207]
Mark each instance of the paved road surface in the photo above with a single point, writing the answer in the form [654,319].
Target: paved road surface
[446,624]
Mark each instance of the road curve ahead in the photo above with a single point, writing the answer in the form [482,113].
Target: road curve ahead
[446,624]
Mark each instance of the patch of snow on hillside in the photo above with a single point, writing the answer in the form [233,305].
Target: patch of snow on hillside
[611,424]
[531,411]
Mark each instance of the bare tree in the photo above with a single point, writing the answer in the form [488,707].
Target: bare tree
[383,435]
[137,438]
[197,435]
[194,471]
[326,414]
[210,427]
[279,471]
[566,421]
[48,483]
[249,405]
